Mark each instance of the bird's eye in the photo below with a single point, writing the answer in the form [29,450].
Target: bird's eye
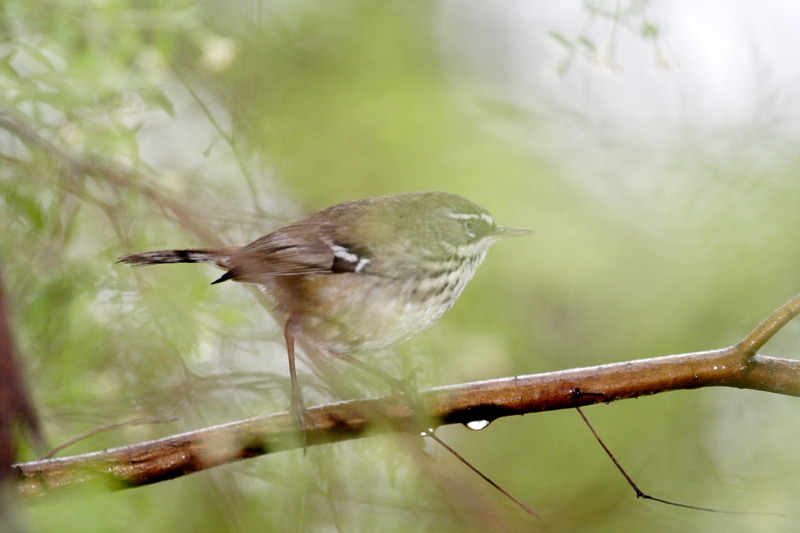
[469,226]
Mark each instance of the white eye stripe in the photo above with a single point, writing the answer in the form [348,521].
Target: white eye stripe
[486,217]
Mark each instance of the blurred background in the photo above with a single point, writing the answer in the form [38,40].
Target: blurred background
[651,145]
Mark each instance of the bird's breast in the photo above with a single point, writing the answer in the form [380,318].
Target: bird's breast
[352,312]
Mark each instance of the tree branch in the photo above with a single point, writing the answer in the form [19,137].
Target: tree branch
[149,462]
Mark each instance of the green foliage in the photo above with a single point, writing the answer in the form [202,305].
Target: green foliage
[129,125]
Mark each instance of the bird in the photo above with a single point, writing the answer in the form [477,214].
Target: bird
[359,276]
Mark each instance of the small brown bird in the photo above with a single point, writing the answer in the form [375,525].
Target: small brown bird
[362,275]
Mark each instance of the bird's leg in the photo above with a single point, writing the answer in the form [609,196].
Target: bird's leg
[298,408]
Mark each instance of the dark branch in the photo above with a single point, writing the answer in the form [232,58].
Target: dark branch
[170,457]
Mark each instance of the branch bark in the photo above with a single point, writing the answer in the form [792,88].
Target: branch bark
[149,462]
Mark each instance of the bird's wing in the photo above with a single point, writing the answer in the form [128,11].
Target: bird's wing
[306,247]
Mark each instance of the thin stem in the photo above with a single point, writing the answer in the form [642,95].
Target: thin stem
[432,435]
[109,427]
[641,494]
[769,327]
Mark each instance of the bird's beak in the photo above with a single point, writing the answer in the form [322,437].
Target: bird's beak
[510,231]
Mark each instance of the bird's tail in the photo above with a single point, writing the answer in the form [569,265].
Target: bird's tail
[219,257]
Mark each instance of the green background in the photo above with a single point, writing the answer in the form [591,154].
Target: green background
[250,116]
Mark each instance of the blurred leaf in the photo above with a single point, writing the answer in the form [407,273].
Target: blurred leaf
[156,98]
[561,39]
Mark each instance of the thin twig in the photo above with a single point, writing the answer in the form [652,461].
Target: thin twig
[641,494]
[109,427]
[430,433]
[769,327]
[229,139]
